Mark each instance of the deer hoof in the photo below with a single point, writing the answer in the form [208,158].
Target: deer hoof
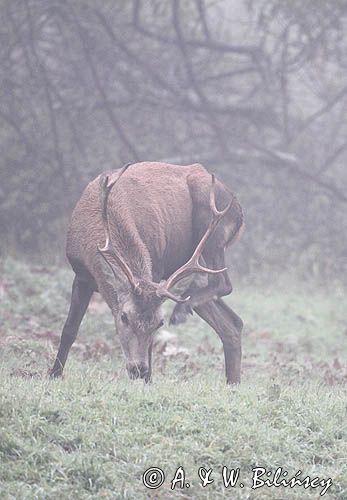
[180,314]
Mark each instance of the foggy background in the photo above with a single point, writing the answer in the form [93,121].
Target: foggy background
[254,90]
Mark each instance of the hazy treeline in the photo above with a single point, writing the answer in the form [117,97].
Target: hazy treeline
[254,90]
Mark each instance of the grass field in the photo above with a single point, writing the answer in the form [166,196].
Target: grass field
[94,433]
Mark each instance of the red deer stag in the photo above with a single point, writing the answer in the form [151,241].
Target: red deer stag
[138,235]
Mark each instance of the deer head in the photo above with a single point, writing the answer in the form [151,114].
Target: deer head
[138,315]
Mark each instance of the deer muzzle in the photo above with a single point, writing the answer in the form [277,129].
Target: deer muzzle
[138,370]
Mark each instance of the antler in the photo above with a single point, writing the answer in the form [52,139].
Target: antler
[108,248]
[193,265]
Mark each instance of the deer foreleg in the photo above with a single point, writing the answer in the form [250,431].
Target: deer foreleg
[80,297]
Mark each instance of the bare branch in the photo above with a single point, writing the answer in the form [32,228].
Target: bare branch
[101,90]
[323,110]
[282,160]
[208,44]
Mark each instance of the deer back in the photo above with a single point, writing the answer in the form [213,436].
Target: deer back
[156,212]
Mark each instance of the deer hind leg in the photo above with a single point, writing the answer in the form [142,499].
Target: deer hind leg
[217,286]
[181,311]
[180,314]
[80,297]
[228,325]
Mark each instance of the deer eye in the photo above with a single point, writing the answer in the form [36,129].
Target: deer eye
[124,318]
[160,324]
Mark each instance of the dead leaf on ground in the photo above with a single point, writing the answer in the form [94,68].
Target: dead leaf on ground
[264,335]
[48,335]
[20,372]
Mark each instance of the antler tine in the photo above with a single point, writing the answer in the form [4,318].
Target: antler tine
[172,296]
[213,207]
[104,192]
[193,265]
[105,189]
